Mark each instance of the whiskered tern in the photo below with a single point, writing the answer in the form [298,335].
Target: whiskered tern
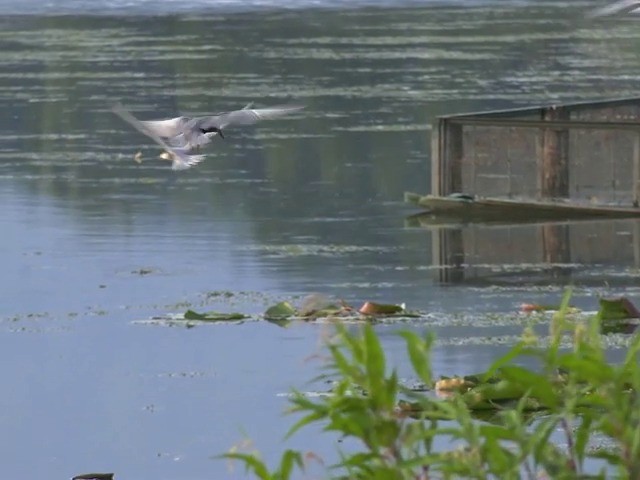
[180,157]
[184,135]
[193,132]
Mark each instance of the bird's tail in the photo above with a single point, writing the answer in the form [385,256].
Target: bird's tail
[183,161]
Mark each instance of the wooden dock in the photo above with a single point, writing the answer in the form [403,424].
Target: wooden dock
[554,162]
[550,181]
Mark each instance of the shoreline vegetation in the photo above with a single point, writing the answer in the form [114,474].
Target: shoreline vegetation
[575,415]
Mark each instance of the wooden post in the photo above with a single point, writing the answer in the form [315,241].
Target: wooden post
[448,254]
[437,156]
[446,158]
[636,244]
[636,170]
[553,174]
[553,164]
[556,248]
[451,147]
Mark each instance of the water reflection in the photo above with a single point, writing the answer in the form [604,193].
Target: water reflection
[588,253]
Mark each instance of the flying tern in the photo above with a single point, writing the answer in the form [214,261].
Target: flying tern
[184,135]
[180,157]
[191,133]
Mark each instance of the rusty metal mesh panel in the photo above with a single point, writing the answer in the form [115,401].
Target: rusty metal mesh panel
[503,161]
[601,166]
[499,161]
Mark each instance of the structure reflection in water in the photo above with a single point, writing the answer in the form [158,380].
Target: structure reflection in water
[586,253]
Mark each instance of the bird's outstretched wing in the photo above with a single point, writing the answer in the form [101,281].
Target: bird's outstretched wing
[181,160]
[166,128]
[125,115]
[621,6]
[173,129]
[246,116]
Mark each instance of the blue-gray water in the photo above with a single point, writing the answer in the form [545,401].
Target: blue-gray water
[93,244]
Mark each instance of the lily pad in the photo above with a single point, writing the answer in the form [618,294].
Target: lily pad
[214,316]
[315,304]
[617,309]
[94,476]
[372,309]
[616,315]
[448,386]
[280,311]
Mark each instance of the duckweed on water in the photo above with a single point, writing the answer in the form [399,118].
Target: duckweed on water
[295,250]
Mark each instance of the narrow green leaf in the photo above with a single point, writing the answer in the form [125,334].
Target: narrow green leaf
[507,358]
[307,420]
[352,343]
[374,358]
[582,435]
[290,458]
[346,369]
[540,437]
[419,351]
[497,432]
[612,458]
[586,369]
[539,386]
[631,358]
[252,464]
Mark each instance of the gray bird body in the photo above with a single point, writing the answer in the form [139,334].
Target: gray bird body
[194,132]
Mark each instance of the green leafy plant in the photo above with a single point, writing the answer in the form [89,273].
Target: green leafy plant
[574,409]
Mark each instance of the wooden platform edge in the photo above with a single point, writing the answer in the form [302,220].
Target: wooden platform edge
[490,209]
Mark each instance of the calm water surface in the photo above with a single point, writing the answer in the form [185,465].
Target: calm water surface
[94,244]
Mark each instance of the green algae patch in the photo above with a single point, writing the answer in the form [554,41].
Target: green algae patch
[535,307]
